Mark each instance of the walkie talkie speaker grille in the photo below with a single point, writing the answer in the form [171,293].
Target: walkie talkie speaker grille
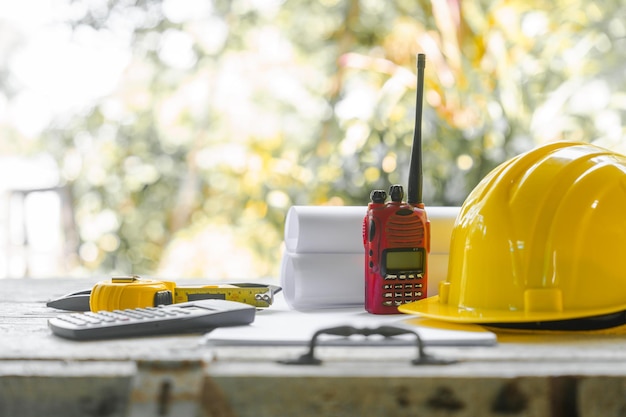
[541,238]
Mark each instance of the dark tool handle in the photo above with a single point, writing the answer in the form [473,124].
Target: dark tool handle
[346,331]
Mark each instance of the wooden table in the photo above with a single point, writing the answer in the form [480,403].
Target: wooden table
[574,375]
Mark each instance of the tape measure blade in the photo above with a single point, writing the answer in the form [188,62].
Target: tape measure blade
[231,293]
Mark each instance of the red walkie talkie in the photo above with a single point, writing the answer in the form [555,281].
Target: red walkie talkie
[396,234]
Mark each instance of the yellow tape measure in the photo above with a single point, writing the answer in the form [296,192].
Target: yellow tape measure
[134,292]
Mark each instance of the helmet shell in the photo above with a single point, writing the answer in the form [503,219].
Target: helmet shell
[541,238]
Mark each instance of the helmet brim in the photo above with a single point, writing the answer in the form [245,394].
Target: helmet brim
[431,307]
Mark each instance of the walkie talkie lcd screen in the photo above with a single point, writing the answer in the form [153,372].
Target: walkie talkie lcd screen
[405,260]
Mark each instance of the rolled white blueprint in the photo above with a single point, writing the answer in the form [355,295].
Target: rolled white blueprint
[324,229]
[338,229]
[331,280]
[442,221]
[323,280]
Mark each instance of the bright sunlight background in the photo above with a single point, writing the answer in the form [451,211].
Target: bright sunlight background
[170,137]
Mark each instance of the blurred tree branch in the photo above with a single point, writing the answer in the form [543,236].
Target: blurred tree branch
[227,115]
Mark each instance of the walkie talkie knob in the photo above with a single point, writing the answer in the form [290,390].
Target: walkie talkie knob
[396,192]
[378,196]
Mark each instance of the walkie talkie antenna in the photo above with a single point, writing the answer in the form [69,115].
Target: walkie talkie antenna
[414,192]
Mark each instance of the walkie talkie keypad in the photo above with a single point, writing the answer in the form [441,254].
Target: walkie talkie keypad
[401,288]
[194,316]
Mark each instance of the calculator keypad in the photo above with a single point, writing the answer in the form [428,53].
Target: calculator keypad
[121,316]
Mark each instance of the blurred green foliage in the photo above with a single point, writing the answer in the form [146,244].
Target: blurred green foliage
[225,117]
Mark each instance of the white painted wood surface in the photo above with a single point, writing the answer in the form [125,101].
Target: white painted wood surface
[40,374]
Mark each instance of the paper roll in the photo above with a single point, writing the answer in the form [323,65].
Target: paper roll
[441,225]
[323,280]
[324,229]
[338,229]
[331,280]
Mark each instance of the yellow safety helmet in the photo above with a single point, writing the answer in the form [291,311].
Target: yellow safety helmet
[542,238]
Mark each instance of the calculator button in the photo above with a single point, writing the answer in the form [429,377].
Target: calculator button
[144,312]
[91,318]
[172,312]
[73,320]
[107,318]
[177,311]
[132,314]
[119,315]
[157,313]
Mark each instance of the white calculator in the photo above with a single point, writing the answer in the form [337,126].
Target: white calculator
[190,317]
